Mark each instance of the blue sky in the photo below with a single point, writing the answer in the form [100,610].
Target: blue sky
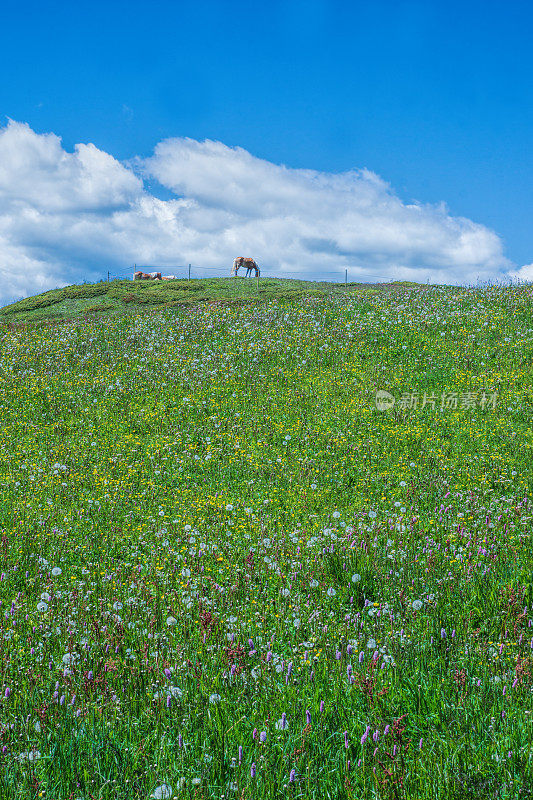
[435,98]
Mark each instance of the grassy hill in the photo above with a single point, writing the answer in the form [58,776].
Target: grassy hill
[127,296]
[226,571]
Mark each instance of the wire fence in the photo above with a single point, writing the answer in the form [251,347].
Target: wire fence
[194,272]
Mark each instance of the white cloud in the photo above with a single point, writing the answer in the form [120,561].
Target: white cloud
[525,273]
[66,217]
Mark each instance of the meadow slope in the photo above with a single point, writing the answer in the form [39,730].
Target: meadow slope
[225,572]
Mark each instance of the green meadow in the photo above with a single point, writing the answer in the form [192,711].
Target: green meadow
[225,572]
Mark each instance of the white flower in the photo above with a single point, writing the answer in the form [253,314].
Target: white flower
[282,725]
[356,578]
[46,597]
[313,486]
[214,698]
[117,605]
[57,571]
[196,781]
[313,584]
[171,621]
[403,483]
[331,592]
[31,755]
[175,691]
[42,606]
[69,658]
[186,573]
[187,527]
[372,514]
[285,592]
[37,727]
[296,623]
[229,507]
[417,605]
[336,514]
[162,791]
[371,644]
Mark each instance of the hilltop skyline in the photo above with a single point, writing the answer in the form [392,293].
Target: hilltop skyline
[390,140]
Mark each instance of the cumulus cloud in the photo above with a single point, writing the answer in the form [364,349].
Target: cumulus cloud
[525,273]
[68,217]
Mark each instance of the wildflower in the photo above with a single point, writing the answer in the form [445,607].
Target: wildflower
[229,507]
[356,578]
[308,717]
[364,737]
[57,571]
[46,597]
[252,770]
[336,514]
[292,776]
[282,724]
[171,622]
[331,592]
[313,584]
[262,737]
[214,698]
[42,606]
[162,791]
[417,605]
[371,644]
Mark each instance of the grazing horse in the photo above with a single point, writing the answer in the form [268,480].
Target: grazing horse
[249,263]
[147,276]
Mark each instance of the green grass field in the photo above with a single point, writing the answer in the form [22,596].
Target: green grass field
[225,573]
[120,297]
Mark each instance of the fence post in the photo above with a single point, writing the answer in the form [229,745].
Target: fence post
[189,273]
[257,280]
[108,276]
[346,279]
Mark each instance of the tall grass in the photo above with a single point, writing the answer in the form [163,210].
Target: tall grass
[224,572]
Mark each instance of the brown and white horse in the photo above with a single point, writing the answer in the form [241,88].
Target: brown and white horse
[147,276]
[249,263]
